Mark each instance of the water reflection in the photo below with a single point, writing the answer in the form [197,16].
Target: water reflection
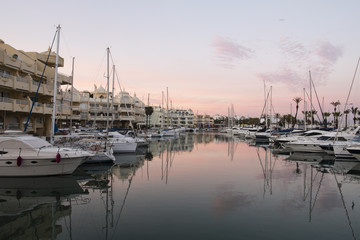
[30,207]
[197,186]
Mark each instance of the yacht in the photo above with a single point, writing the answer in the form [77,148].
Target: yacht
[26,155]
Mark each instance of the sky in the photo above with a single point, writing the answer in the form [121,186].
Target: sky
[209,54]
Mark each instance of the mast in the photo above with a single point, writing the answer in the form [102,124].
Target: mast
[304,111]
[266,106]
[270,105]
[161,109]
[71,97]
[167,106]
[107,84]
[55,86]
[311,106]
[112,97]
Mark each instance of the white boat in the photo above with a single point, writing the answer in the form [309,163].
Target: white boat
[323,143]
[121,143]
[25,155]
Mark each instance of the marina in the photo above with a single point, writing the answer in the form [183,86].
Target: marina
[195,186]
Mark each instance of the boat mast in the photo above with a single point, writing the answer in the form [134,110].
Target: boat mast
[161,109]
[112,97]
[55,86]
[71,97]
[107,86]
[266,106]
[304,111]
[167,106]
[311,106]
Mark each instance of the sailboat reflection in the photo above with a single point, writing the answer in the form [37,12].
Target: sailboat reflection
[267,165]
[33,205]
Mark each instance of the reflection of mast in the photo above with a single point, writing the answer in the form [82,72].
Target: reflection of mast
[231,149]
[343,202]
[312,205]
[267,168]
[126,194]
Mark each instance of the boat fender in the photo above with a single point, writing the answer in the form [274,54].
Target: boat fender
[95,147]
[58,157]
[19,161]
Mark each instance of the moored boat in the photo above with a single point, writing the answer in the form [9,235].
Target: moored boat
[26,155]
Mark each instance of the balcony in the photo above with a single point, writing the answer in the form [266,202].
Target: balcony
[6,80]
[6,104]
[21,83]
[21,106]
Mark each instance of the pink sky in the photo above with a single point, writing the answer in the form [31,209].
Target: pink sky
[210,54]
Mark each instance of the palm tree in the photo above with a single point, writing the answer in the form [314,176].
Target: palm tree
[346,112]
[277,117]
[306,115]
[354,111]
[297,100]
[336,117]
[335,113]
[148,112]
[326,115]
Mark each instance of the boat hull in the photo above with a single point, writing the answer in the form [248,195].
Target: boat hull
[38,167]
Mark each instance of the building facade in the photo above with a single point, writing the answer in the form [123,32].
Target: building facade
[24,77]
[26,85]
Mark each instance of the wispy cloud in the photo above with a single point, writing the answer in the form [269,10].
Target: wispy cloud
[286,76]
[319,58]
[228,51]
[327,52]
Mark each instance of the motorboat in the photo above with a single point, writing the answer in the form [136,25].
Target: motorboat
[26,155]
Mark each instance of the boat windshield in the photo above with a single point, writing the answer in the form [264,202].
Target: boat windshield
[35,142]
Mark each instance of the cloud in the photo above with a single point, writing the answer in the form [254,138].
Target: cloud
[298,59]
[228,52]
[327,52]
[286,76]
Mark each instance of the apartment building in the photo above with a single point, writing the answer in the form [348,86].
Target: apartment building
[20,76]
[91,109]
[174,117]
[23,76]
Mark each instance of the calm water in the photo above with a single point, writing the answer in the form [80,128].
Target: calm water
[202,186]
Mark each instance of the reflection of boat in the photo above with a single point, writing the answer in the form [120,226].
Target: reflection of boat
[20,194]
[30,207]
[25,155]
[127,159]
[310,157]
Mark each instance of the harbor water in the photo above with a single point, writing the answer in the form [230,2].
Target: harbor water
[196,186]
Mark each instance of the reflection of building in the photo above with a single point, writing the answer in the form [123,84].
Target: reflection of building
[184,143]
[34,224]
[20,75]
[30,207]
[128,171]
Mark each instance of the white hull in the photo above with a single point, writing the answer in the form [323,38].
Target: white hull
[125,147]
[38,167]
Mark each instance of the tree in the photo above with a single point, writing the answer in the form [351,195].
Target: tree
[336,117]
[297,100]
[346,112]
[149,111]
[354,111]
[326,115]
[335,113]
[277,117]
